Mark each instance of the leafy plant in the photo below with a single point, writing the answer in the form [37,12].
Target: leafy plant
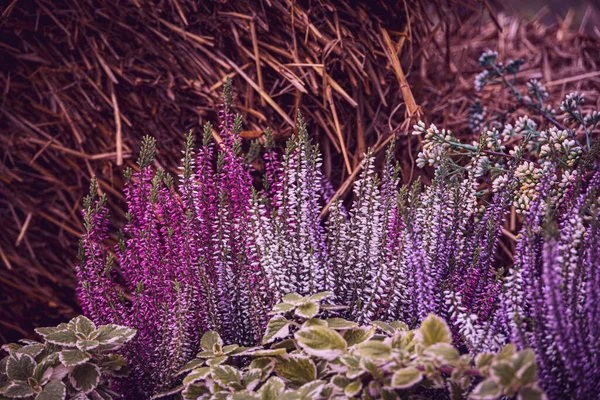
[313,358]
[75,360]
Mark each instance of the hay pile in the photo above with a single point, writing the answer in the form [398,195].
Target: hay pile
[83,81]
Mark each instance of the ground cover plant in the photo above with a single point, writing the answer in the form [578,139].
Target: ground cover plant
[215,253]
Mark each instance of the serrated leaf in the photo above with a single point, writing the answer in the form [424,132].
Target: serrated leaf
[168,393]
[321,341]
[434,330]
[85,377]
[272,389]
[523,358]
[504,372]
[85,345]
[20,366]
[507,352]
[294,299]
[114,334]
[444,352]
[196,391]
[11,347]
[209,339]
[311,390]
[296,369]
[367,364]
[526,375]
[486,390]
[353,388]
[226,375]
[83,325]
[406,377]
[277,328]
[195,363]
[32,349]
[252,378]
[313,322]
[531,393]
[58,372]
[55,390]
[282,308]
[230,348]
[340,324]
[66,338]
[71,358]
[17,389]
[321,295]
[243,396]
[385,327]
[358,335]
[265,352]
[399,326]
[375,349]
[211,362]
[196,375]
[483,360]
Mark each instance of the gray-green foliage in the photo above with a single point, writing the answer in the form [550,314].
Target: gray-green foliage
[305,357]
[75,361]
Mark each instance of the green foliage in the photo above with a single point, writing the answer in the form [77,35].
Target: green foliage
[74,361]
[305,357]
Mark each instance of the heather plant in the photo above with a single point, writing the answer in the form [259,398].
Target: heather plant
[334,358]
[76,360]
[211,253]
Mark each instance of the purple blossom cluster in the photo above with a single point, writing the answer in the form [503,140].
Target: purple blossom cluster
[214,253]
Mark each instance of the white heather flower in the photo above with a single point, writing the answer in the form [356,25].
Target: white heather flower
[525,123]
[481,79]
[488,58]
[535,89]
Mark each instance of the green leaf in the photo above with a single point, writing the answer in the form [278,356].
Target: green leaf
[252,378]
[444,352]
[531,393]
[504,372]
[359,335]
[321,342]
[17,389]
[282,308]
[313,322]
[272,389]
[196,362]
[406,377]
[85,377]
[230,348]
[526,375]
[114,334]
[486,390]
[434,330]
[196,391]
[375,349]
[296,368]
[55,390]
[387,328]
[321,295]
[66,338]
[340,324]
[311,390]
[226,375]
[294,299]
[243,396]
[483,360]
[523,358]
[277,328]
[33,349]
[71,358]
[399,326]
[211,362]
[265,352]
[168,393]
[85,345]
[507,352]
[209,339]
[196,375]
[20,366]
[83,325]
[353,388]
